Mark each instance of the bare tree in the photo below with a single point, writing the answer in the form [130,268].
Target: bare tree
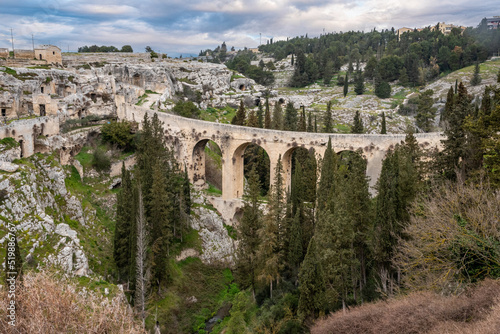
[141,270]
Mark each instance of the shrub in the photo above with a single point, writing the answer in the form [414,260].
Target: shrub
[118,133]
[49,304]
[186,109]
[383,90]
[477,311]
[453,238]
[100,160]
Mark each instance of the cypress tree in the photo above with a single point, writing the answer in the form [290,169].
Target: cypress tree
[346,85]
[384,129]
[403,77]
[302,121]
[252,120]
[425,112]
[328,121]
[454,144]
[476,79]
[359,87]
[267,116]
[260,116]
[250,224]
[125,216]
[311,284]
[268,255]
[315,124]
[239,118]
[397,186]
[357,126]
[295,247]
[326,186]
[310,127]
[160,225]
[290,122]
[448,107]
[277,123]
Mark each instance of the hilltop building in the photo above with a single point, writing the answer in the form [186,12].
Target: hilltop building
[446,28]
[493,23]
[43,54]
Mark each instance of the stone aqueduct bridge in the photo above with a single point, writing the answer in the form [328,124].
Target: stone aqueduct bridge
[190,136]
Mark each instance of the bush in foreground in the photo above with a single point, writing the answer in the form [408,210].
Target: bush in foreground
[47,304]
[476,311]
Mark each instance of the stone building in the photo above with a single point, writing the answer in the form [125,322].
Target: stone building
[446,28]
[24,54]
[50,53]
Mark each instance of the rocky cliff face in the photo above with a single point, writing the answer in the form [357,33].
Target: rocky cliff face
[45,214]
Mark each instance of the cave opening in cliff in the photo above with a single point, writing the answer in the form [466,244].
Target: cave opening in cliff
[242,87]
[4,112]
[42,109]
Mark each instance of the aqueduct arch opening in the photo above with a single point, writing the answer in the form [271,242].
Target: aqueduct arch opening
[246,156]
[207,164]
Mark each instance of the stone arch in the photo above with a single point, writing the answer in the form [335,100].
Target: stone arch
[238,168]
[200,161]
[288,163]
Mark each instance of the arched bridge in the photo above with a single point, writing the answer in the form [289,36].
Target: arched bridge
[189,137]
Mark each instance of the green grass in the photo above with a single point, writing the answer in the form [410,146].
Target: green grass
[85,157]
[212,190]
[343,128]
[9,143]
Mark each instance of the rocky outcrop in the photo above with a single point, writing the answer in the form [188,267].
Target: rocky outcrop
[39,205]
[217,246]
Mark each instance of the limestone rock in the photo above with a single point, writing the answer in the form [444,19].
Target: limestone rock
[8,167]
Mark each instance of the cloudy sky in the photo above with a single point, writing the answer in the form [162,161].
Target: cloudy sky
[187,26]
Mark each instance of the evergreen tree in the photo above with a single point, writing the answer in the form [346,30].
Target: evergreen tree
[239,118]
[357,126]
[252,120]
[142,270]
[267,116]
[295,247]
[160,225]
[454,144]
[260,116]
[268,255]
[326,185]
[403,77]
[384,129]
[250,224]
[328,73]
[359,87]
[315,124]
[277,122]
[382,89]
[346,85]
[312,284]
[425,112]
[328,121]
[498,77]
[370,67]
[448,107]
[302,121]
[310,127]
[124,230]
[476,79]
[290,121]
[397,186]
